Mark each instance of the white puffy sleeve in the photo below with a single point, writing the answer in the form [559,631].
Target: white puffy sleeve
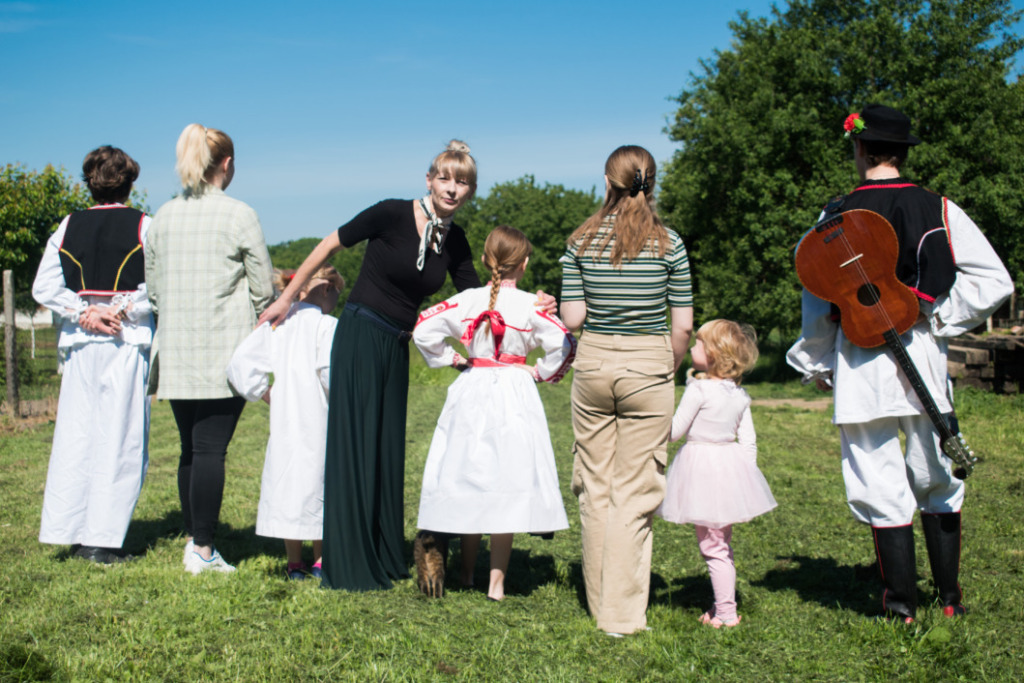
[433,328]
[324,341]
[814,353]
[558,343]
[982,283]
[249,369]
[49,288]
[687,411]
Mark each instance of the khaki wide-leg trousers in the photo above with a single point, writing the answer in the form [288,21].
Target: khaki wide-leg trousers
[622,401]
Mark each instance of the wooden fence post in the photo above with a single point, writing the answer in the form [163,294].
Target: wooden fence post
[10,345]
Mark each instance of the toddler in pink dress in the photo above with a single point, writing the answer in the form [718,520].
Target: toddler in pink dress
[714,482]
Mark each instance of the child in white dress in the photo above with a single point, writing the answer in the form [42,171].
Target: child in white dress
[714,481]
[490,468]
[298,355]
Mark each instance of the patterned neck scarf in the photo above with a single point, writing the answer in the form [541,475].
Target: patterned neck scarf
[434,234]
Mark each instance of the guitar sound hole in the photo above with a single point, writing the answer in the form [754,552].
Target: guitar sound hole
[867,295]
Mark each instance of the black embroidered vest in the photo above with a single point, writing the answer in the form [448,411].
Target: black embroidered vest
[102,251]
[926,261]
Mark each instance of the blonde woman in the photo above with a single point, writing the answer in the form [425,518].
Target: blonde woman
[621,270]
[209,276]
[412,248]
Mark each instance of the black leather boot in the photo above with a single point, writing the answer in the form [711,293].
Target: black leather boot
[897,566]
[942,536]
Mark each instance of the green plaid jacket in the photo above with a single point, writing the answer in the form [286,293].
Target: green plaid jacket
[209,277]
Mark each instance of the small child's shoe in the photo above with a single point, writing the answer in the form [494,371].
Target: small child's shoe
[316,571]
[296,572]
[954,610]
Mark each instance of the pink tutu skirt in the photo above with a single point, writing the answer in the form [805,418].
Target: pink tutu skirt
[715,485]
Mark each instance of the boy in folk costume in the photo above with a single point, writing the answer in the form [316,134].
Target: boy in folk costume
[959,281]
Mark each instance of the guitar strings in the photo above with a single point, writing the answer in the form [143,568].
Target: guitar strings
[873,291]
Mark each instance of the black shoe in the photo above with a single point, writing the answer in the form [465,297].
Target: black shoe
[103,555]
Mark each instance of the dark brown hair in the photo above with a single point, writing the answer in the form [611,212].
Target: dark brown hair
[884,153]
[109,173]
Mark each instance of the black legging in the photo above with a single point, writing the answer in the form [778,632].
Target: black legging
[205,428]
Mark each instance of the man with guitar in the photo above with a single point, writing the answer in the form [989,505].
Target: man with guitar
[892,377]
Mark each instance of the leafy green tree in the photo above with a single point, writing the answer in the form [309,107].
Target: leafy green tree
[761,135]
[290,255]
[546,213]
[32,204]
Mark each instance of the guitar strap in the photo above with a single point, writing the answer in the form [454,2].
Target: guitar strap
[834,207]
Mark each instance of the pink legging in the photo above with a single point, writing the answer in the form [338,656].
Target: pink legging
[715,547]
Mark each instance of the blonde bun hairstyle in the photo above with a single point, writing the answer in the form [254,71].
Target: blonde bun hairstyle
[456,162]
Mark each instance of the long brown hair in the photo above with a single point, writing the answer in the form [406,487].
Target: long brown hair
[504,250]
[630,198]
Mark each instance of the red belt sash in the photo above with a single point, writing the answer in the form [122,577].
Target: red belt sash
[503,360]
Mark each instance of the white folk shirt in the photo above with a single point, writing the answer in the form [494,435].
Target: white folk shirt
[526,328]
[50,290]
[298,354]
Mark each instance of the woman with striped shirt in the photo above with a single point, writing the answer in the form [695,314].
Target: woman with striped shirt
[620,272]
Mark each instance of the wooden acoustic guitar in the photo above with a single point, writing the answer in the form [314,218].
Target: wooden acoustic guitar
[849,259]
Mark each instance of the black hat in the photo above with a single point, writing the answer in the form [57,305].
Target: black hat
[879,123]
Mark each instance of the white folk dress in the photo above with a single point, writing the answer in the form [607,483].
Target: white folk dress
[491,468]
[298,354]
[101,437]
[714,480]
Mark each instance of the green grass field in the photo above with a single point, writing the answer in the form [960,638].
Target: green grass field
[806,586]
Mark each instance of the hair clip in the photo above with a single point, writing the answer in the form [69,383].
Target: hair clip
[640,184]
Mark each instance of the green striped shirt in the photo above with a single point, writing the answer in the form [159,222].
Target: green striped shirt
[632,298]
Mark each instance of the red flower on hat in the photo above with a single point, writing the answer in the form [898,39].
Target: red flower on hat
[853,124]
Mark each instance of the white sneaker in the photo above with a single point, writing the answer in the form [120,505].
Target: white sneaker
[189,547]
[197,565]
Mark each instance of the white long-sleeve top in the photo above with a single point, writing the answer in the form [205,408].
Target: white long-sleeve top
[715,411]
[49,289]
[868,382]
[298,355]
[526,328]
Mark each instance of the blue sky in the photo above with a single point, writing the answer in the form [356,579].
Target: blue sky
[336,105]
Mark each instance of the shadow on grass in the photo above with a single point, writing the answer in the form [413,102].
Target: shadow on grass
[239,544]
[688,592]
[824,581]
[527,570]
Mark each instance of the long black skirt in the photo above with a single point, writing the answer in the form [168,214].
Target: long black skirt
[364,475]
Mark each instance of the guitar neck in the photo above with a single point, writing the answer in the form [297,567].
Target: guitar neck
[917,384]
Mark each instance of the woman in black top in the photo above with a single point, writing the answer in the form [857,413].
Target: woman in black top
[411,248]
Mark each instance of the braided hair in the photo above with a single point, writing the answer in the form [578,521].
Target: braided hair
[504,251]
